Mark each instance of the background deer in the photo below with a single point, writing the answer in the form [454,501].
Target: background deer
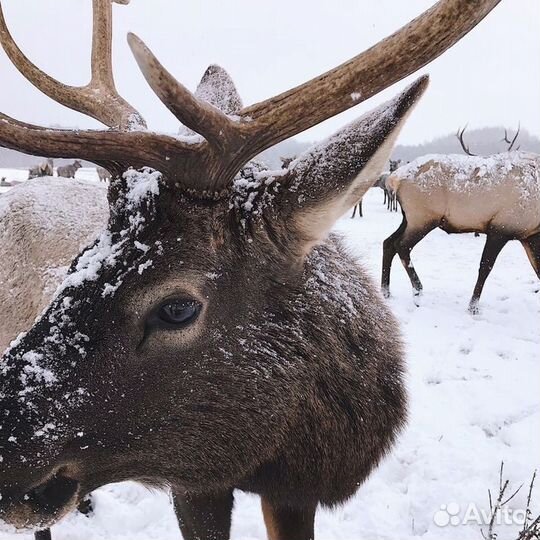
[389,196]
[69,171]
[103,174]
[211,338]
[497,195]
[45,168]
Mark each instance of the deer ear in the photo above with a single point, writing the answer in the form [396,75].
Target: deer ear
[218,89]
[331,177]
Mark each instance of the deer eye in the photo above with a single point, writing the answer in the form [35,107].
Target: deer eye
[178,312]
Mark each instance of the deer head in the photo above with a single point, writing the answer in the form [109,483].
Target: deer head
[178,348]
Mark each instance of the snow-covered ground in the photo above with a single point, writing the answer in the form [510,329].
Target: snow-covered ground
[475,401]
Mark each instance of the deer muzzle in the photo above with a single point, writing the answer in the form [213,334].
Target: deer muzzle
[43,503]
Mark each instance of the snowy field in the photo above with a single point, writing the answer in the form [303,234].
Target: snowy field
[16,176]
[475,401]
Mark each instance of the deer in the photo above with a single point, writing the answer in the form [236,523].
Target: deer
[380,183]
[45,168]
[212,337]
[389,193]
[497,195]
[103,174]
[69,171]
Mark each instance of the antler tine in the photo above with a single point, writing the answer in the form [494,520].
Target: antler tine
[122,148]
[389,61]
[515,138]
[216,127]
[99,99]
[459,135]
[505,138]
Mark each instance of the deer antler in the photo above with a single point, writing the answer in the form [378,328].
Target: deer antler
[215,126]
[513,141]
[99,98]
[230,141]
[459,135]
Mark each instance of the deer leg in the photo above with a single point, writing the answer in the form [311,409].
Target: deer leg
[532,248]
[385,195]
[354,211]
[492,248]
[389,252]
[284,523]
[204,517]
[360,213]
[404,246]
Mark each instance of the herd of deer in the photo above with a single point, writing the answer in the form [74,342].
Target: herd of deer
[212,338]
[46,168]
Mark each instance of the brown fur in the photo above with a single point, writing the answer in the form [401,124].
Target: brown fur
[236,400]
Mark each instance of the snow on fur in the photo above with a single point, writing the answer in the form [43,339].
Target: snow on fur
[117,253]
[474,172]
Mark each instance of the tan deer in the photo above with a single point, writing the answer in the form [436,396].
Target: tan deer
[103,174]
[69,171]
[44,223]
[45,168]
[212,338]
[498,195]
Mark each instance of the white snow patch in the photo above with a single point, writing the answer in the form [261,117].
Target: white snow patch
[462,173]
[141,184]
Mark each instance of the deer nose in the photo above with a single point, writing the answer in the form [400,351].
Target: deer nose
[54,494]
[42,502]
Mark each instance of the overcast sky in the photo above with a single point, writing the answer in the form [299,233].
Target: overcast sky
[491,77]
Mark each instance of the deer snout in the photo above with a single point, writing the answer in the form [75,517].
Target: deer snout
[43,503]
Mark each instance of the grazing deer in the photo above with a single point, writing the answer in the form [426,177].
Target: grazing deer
[497,195]
[69,171]
[45,168]
[212,338]
[103,174]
